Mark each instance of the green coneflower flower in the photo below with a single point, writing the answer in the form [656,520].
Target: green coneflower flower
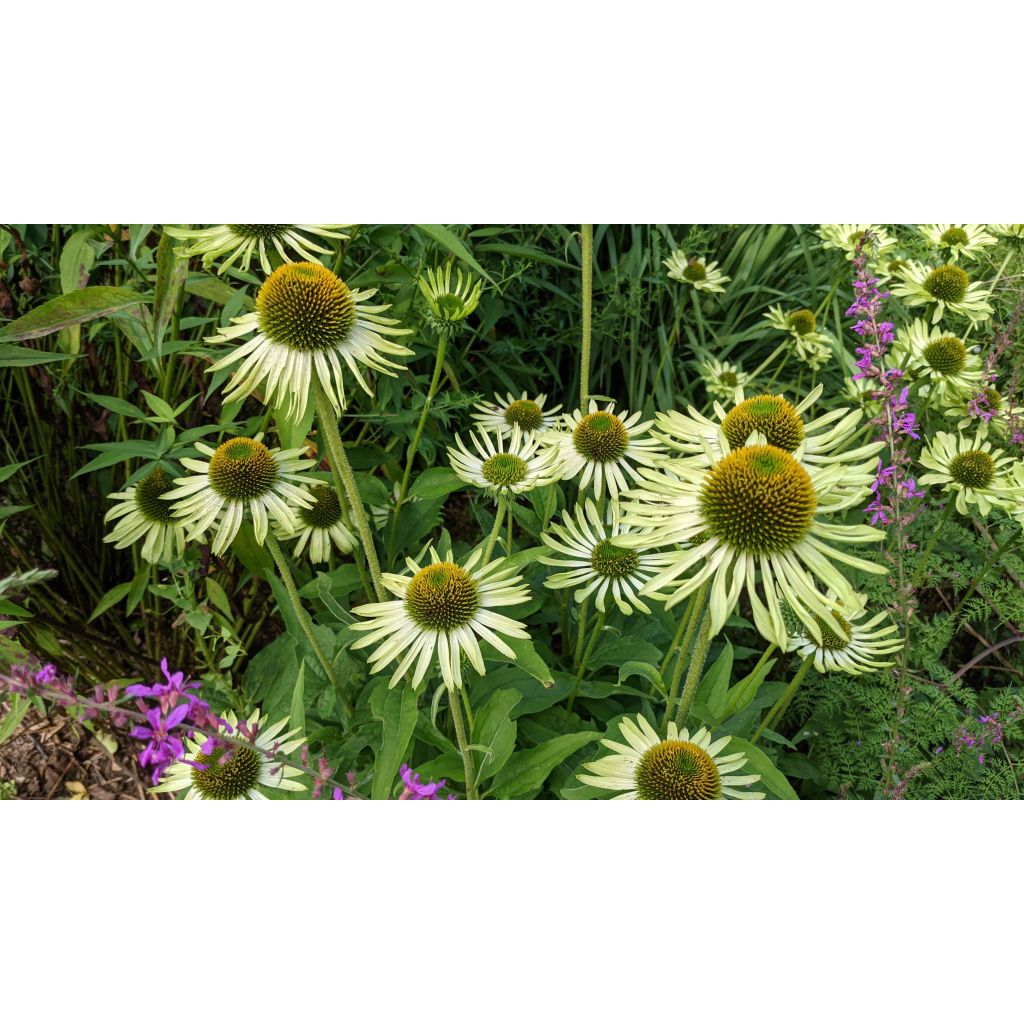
[242,476]
[811,347]
[974,472]
[239,242]
[949,287]
[596,562]
[958,239]
[442,610]
[236,772]
[321,524]
[846,644]
[846,237]
[528,414]
[449,305]
[680,767]
[500,468]
[600,448]
[143,513]
[721,379]
[705,277]
[939,358]
[308,321]
[749,510]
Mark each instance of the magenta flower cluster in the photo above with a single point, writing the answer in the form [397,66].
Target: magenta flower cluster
[416,790]
[987,733]
[897,423]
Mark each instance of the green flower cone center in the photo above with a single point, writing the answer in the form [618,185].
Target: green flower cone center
[229,773]
[326,511]
[993,399]
[242,468]
[677,770]
[504,470]
[771,415]
[267,232]
[147,497]
[954,236]
[803,321]
[449,308]
[306,307]
[946,355]
[759,500]
[525,413]
[694,271]
[947,284]
[832,638]
[613,562]
[895,266]
[728,378]
[972,469]
[441,597]
[601,437]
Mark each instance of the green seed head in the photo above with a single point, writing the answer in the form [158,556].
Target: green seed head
[441,597]
[326,510]
[896,266]
[946,355]
[504,470]
[601,437]
[993,399]
[147,497]
[772,415]
[954,236]
[306,307]
[228,773]
[613,562]
[728,378]
[972,469]
[267,232]
[803,321]
[242,468]
[525,413]
[947,284]
[835,635]
[758,500]
[694,271]
[676,770]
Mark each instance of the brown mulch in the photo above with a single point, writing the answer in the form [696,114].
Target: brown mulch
[56,758]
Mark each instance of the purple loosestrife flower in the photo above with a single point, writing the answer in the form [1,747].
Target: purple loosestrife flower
[163,746]
[416,790]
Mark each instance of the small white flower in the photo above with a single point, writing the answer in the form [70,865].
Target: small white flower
[958,239]
[524,412]
[499,468]
[705,277]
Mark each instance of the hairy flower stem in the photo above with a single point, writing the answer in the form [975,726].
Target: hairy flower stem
[581,629]
[508,545]
[410,456]
[584,661]
[302,615]
[587,257]
[492,539]
[781,706]
[673,647]
[1011,536]
[345,481]
[467,754]
[922,561]
[695,610]
[700,656]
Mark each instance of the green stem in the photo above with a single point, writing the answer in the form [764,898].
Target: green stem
[508,543]
[467,754]
[492,539]
[700,655]
[345,481]
[1010,538]
[923,560]
[588,297]
[780,348]
[584,661]
[780,707]
[303,616]
[684,621]
[698,603]
[435,380]
[581,626]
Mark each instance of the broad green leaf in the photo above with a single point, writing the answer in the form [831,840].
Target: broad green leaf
[159,406]
[118,405]
[110,598]
[529,660]
[10,510]
[759,763]
[213,289]
[526,770]
[11,721]
[438,482]
[297,717]
[715,683]
[614,650]
[171,270]
[65,310]
[6,472]
[17,355]
[444,237]
[740,695]
[494,729]
[294,431]
[76,260]
[218,598]
[645,671]
[398,722]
